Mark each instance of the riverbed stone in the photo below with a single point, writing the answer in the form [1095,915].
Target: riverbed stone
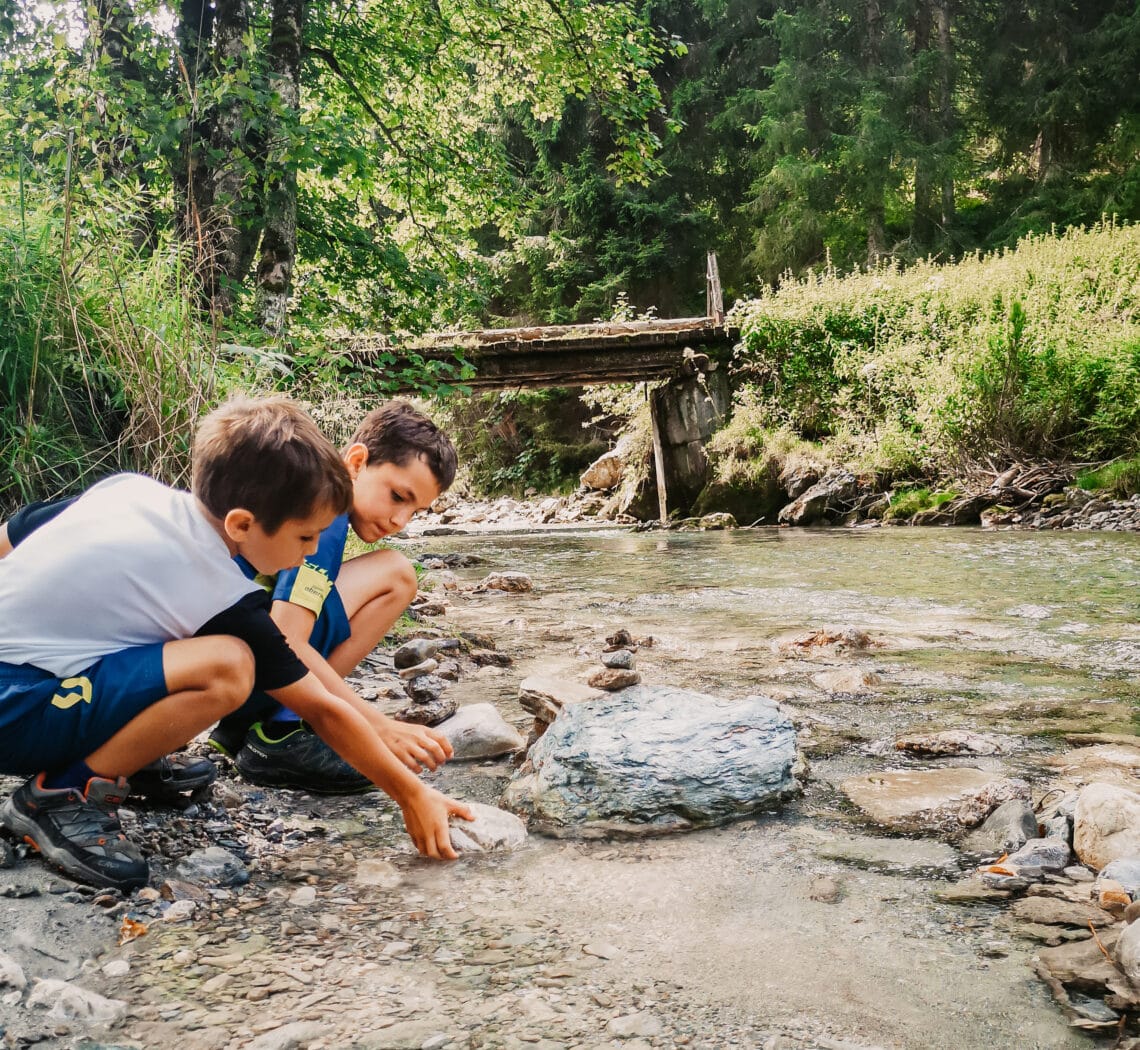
[479,731]
[1101,763]
[824,501]
[493,830]
[948,743]
[1039,857]
[213,865]
[621,658]
[431,713]
[11,973]
[658,759]
[946,799]
[1106,824]
[425,688]
[898,855]
[605,472]
[545,695]
[67,1001]
[417,650]
[846,681]
[1126,871]
[613,678]
[1128,952]
[1005,830]
[510,582]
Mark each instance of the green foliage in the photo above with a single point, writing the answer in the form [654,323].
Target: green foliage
[1120,478]
[906,503]
[106,362]
[1027,353]
[509,442]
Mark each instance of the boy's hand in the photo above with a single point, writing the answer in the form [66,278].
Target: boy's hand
[417,747]
[425,817]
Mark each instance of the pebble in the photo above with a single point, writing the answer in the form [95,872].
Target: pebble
[619,658]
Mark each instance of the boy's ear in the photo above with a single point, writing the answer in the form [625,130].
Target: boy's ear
[237,524]
[356,458]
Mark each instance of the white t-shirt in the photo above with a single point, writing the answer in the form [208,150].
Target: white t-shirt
[131,562]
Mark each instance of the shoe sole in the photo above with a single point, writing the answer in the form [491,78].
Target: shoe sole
[68,863]
[276,779]
[165,788]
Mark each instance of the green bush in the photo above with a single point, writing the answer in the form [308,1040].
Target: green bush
[1032,353]
[1120,479]
[906,503]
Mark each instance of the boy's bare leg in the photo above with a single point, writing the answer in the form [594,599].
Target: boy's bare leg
[375,589]
[208,678]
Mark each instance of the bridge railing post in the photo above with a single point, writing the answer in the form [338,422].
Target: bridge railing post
[714,296]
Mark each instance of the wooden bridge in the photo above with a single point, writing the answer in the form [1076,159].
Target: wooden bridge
[685,411]
[561,355]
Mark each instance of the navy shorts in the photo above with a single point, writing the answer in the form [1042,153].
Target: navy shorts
[48,722]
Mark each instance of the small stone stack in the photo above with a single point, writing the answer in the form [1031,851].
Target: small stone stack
[417,665]
[618,660]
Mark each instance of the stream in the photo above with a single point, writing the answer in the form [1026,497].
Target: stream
[1026,635]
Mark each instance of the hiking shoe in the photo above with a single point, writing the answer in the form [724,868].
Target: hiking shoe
[171,775]
[78,831]
[227,740]
[300,759]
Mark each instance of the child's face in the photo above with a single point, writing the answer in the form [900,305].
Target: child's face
[385,496]
[288,546]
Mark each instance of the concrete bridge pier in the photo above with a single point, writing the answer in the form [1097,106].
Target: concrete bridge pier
[686,411]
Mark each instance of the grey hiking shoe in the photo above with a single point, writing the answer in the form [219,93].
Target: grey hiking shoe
[172,775]
[299,759]
[78,831]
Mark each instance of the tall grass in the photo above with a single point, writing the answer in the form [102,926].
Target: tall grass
[1030,353]
[105,360]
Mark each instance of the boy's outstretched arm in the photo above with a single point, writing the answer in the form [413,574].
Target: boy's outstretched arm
[345,729]
[417,747]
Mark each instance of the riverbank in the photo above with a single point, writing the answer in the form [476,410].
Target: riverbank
[810,927]
[837,502]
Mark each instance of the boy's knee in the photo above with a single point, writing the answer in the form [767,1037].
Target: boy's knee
[232,680]
[403,579]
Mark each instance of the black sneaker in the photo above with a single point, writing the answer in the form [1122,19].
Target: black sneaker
[227,740]
[300,759]
[172,775]
[77,831]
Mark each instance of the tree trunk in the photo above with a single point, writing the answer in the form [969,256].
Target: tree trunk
[279,240]
[875,211]
[946,104]
[923,223]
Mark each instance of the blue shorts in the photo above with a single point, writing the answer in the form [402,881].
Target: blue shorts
[47,723]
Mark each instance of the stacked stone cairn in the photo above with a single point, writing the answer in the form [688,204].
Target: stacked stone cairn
[617,671]
[425,679]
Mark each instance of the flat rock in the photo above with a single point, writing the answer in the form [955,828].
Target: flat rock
[613,679]
[949,742]
[1049,911]
[294,1036]
[1101,763]
[945,799]
[846,681]
[509,582]
[969,891]
[649,760]
[428,714]
[900,856]
[67,1001]
[544,695]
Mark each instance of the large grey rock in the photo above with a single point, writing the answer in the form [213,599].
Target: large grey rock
[605,472]
[1128,952]
[826,499]
[649,760]
[479,731]
[1005,830]
[946,799]
[1040,857]
[1106,824]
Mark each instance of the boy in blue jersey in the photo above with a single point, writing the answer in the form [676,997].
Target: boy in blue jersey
[334,612]
[127,627]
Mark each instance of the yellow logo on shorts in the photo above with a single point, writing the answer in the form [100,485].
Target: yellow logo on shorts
[82,693]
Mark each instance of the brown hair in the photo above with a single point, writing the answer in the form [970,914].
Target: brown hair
[265,455]
[396,433]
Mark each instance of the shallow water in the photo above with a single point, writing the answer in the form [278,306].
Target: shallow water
[1027,635]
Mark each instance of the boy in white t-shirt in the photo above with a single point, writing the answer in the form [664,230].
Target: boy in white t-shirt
[127,629]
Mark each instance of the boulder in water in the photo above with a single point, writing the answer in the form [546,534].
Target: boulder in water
[650,760]
[1106,825]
